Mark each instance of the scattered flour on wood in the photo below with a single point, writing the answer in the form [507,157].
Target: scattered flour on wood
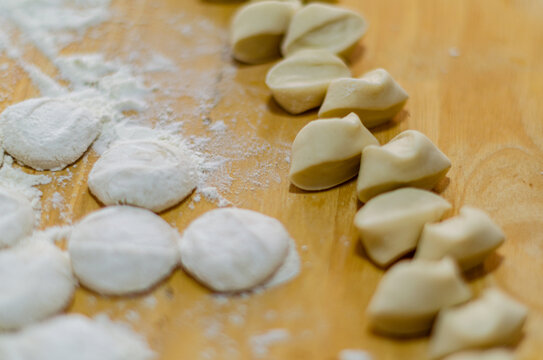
[261,343]
[351,354]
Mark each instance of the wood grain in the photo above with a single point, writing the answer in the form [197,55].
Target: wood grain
[483,108]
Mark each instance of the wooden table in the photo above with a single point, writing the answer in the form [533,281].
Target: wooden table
[474,72]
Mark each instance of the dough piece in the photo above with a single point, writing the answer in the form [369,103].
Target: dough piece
[468,238]
[16,219]
[299,82]
[492,320]
[47,133]
[411,294]
[145,173]
[409,159]
[74,337]
[494,354]
[326,153]
[321,26]
[121,250]
[258,28]
[233,249]
[390,224]
[376,97]
[36,282]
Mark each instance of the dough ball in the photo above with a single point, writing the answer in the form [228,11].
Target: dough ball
[16,217]
[233,249]
[36,282]
[492,354]
[74,337]
[121,250]
[144,173]
[47,133]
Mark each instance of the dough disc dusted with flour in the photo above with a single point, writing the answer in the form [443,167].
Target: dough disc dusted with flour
[121,250]
[47,133]
[144,173]
[16,217]
[36,282]
[74,337]
[233,249]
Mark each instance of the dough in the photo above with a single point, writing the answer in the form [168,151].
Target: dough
[492,320]
[145,173]
[74,337]
[409,159]
[494,354]
[233,249]
[299,82]
[390,224]
[121,250]
[36,282]
[321,26]
[16,219]
[326,153]
[47,133]
[411,294]
[376,97]
[258,28]
[468,238]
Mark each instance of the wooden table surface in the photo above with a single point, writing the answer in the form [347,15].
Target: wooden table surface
[483,108]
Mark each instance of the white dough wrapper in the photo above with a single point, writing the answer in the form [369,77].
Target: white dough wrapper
[145,173]
[233,249]
[16,217]
[122,250]
[36,281]
[48,133]
[75,337]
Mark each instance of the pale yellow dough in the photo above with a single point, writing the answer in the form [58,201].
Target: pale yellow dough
[493,354]
[411,294]
[375,97]
[409,159]
[468,238]
[299,82]
[390,224]
[326,152]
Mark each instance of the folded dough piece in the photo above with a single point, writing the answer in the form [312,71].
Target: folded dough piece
[494,354]
[375,97]
[320,26]
[494,319]
[468,238]
[326,152]
[409,159]
[257,29]
[411,294]
[390,224]
[16,217]
[299,82]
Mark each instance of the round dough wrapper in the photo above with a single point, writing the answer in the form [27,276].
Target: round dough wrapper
[233,249]
[36,281]
[144,173]
[47,133]
[16,219]
[122,250]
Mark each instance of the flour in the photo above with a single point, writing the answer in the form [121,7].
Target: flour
[350,354]
[260,343]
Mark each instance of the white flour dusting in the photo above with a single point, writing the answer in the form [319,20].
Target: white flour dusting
[262,342]
[350,354]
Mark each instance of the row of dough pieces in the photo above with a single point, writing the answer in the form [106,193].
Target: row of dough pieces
[328,152]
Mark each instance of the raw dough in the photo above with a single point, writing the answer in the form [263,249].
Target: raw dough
[16,217]
[494,354]
[74,337]
[411,294]
[299,82]
[320,26]
[390,224]
[36,282]
[494,319]
[468,238]
[288,270]
[326,153]
[233,249]
[120,250]
[145,173]
[47,133]
[376,97]
[258,28]
[409,159]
